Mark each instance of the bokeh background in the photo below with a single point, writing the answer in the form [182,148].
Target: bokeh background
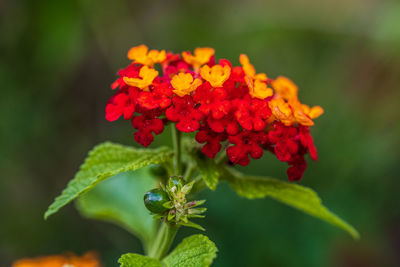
[58,58]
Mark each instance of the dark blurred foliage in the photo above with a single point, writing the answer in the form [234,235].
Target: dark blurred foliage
[57,59]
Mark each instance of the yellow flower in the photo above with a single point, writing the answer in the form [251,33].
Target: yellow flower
[146,74]
[249,69]
[201,56]
[87,260]
[285,88]
[258,89]
[282,111]
[313,112]
[141,54]
[256,82]
[216,75]
[292,111]
[184,84]
[304,114]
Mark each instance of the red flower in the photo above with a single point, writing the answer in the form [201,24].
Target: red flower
[184,113]
[237,74]
[159,97]
[284,139]
[227,123]
[251,113]
[213,141]
[122,104]
[174,64]
[246,142]
[212,100]
[132,71]
[290,144]
[146,125]
[308,142]
[296,171]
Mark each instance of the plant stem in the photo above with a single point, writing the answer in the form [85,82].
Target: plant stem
[176,139]
[221,158]
[166,232]
[189,172]
[163,242]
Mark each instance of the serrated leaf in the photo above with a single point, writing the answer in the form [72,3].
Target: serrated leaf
[208,169]
[193,251]
[104,161]
[120,201]
[136,260]
[294,195]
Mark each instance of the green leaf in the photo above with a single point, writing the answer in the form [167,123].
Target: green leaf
[208,169]
[104,161]
[193,251]
[120,201]
[299,197]
[192,224]
[136,260]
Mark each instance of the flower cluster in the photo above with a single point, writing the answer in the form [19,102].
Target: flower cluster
[230,107]
[87,260]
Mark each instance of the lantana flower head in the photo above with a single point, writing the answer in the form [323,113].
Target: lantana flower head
[89,259]
[232,109]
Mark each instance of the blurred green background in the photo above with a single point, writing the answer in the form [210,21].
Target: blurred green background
[58,58]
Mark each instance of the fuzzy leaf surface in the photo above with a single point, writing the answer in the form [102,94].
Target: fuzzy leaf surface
[193,251]
[105,161]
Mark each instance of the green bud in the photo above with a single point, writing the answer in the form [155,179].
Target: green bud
[154,200]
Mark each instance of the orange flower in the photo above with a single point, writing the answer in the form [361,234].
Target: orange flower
[285,88]
[258,89]
[256,82]
[282,111]
[304,114]
[87,260]
[216,75]
[201,56]
[146,74]
[184,84]
[286,97]
[141,54]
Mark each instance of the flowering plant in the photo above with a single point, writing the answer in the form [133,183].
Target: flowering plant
[235,113]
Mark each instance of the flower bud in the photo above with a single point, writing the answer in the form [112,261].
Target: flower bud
[154,200]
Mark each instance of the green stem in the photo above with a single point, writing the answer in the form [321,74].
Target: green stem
[176,139]
[163,242]
[221,158]
[189,173]
[166,232]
